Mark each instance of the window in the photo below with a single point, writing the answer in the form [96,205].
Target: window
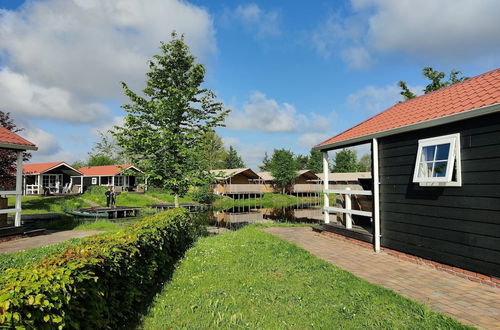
[94,180]
[438,161]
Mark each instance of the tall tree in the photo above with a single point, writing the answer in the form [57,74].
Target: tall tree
[266,163]
[106,147]
[101,160]
[345,161]
[365,163]
[233,160]
[302,161]
[315,163]
[436,81]
[164,129]
[8,158]
[283,168]
[213,151]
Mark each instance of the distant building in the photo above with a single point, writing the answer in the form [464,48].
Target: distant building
[237,181]
[120,177]
[49,178]
[306,182]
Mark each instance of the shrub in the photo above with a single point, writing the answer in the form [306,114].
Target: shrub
[96,190]
[103,282]
[203,194]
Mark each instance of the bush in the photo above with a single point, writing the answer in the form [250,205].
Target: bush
[96,190]
[102,282]
[203,194]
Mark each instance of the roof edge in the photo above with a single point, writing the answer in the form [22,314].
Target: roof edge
[472,113]
[18,146]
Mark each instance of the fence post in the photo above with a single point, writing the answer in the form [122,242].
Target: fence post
[348,207]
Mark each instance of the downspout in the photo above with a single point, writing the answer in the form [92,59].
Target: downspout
[376,194]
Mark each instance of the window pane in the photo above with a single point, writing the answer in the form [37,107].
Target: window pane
[440,169]
[425,170]
[443,151]
[428,153]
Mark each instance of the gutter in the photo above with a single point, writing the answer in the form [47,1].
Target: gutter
[17,146]
[477,112]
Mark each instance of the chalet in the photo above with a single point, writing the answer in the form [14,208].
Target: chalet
[237,181]
[11,142]
[306,182]
[436,175]
[120,177]
[49,178]
[354,180]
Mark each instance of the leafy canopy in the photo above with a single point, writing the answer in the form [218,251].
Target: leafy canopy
[266,163]
[345,161]
[213,151]
[283,168]
[164,128]
[315,162]
[436,81]
[233,160]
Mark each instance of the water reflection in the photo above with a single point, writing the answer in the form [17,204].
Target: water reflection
[237,217]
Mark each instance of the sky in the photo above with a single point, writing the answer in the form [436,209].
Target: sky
[294,73]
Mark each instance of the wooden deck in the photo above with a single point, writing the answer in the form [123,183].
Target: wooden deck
[118,212]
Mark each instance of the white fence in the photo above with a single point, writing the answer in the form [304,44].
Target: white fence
[348,211]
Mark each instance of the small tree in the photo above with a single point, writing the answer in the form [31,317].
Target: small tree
[164,129]
[365,163]
[301,161]
[283,168]
[233,160]
[266,163]
[101,160]
[345,161]
[213,151]
[8,158]
[315,163]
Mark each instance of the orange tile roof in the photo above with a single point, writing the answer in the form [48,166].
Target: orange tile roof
[103,170]
[473,93]
[39,168]
[8,137]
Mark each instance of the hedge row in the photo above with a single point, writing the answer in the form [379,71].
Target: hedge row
[102,282]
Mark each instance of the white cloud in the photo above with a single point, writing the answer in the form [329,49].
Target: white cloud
[25,98]
[257,21]
[230,141]
[309,140]
[46,142]
[75,52]
[106,127]
[265,114]
[438,30]
[372,99]
[457,29]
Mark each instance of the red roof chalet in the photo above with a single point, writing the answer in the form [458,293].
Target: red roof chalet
[107,170]
[473,97]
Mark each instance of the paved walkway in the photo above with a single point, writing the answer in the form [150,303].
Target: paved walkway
[43,240]
[469,302]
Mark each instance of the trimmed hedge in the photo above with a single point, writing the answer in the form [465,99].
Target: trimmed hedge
[103,282]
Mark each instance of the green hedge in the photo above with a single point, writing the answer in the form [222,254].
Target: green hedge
[103,282]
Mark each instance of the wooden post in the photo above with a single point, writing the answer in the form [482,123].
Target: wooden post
[348,206]
[19,191]
[326,178]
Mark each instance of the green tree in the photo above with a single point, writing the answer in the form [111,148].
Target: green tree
[315,163]
[365,163]
[233,160]
[78,164]
[266,163]
[345,161]
[164,129]
[436,81]
[213,151]
[283,168]
[101,160]
[8,158]
[106,145]
[302,161]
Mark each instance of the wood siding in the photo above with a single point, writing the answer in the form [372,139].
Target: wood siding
[459,226]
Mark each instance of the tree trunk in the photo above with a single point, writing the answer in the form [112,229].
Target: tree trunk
[176,200]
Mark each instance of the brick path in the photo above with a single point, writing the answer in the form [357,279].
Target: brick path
[44,240]
[469,302]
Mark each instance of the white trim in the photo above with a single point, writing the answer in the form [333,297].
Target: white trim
[355,212]
[17,146]
[376,195]
[477,112]
[10,192]
[326,173]
[453,158]
[19,188]
[93,181]
[7,211]
[349,192]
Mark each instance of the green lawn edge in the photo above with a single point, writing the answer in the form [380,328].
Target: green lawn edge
[252,279]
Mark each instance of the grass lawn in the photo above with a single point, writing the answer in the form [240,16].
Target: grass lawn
[39,205]
[169,198]
[251,279]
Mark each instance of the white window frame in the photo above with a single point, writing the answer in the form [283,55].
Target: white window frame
[453,162]
[94,180]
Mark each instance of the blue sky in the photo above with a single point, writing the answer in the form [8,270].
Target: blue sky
[293,72]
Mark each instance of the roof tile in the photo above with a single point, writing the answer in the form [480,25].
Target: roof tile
[8,137]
